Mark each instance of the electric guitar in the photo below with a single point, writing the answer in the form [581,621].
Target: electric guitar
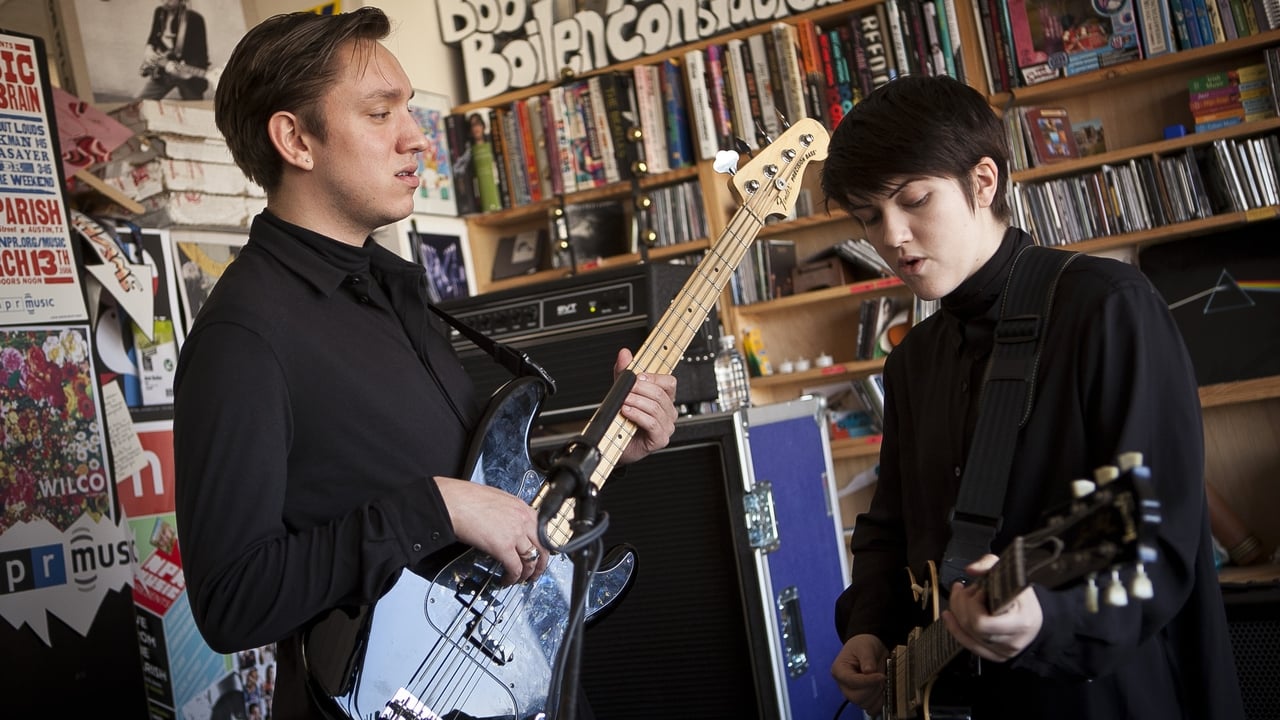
[1095,538]
[453,642]
[158,64]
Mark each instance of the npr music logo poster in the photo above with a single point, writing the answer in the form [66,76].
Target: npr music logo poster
[61,549]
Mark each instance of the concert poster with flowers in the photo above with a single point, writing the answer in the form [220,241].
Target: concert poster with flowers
[52,451]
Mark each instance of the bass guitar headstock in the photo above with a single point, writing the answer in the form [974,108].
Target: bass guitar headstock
[770,181]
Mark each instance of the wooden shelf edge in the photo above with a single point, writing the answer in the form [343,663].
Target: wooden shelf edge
[1177,231]
[618,190]
[790,302]
[1161,147]
[1134,71]
[661,252]
[846,448]
[839,371]
[1240,391]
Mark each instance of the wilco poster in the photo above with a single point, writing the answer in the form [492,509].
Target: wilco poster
[39,282]
[516,44]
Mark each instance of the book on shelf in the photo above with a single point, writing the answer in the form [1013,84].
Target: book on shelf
[1267,13]
[701,114]
[762,73]
[680,152]
[651,111]
[854,52]
[484,160]
[719,93]
[528,151]
[537,108]
[619,98]
[584,140]
[458,129]
[1049,135]
[791,76]
[602,136]
[811,68]
[1155,26]
[1073,33]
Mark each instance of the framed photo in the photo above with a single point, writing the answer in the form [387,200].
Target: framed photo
[441,247]
[119,51]
[436,180]
[199,259]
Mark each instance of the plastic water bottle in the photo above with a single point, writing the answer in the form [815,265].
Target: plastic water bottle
[732,384]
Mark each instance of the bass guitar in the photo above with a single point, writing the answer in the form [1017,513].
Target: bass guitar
[1110,527]
[454,642]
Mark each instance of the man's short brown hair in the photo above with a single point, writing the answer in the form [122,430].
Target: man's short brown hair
[287,63]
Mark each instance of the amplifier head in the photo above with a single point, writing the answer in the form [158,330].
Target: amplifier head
[573,327]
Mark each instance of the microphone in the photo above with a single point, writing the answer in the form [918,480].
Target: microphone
[575,463]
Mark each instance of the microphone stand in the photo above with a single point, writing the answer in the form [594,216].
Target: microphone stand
[569,477]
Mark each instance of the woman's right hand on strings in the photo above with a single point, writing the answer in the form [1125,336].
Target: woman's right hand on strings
[859,671]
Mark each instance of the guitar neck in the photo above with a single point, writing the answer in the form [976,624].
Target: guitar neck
[769,185]
[671,336]
[934,648]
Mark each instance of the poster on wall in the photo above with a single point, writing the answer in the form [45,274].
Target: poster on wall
[436,194]
[66,556]
[200,257]
[172,49]
[184,677]
[38,278]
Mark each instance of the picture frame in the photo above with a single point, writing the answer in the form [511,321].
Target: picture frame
[437,182]
[106,65]
[440,245]
[199,259]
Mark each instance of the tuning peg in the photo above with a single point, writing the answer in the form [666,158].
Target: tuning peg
[1140,587]
[762,136]
[726,162]
[1106,474]
[1091,594]
[1129,460]
[1081,487]
[1116,596]
[742,146]
[782,120]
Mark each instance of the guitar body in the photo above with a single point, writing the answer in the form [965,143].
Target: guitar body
[456,643]
[942,697]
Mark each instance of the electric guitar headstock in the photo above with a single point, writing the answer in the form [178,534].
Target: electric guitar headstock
[1106,536]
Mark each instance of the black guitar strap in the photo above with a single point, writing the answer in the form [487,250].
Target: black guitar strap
[1008,393]
[517,362]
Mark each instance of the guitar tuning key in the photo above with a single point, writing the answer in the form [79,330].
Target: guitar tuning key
[1081,488]
[1105,474]
[1116,595]
[1140,587]
[1129,460]
[1091,594]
